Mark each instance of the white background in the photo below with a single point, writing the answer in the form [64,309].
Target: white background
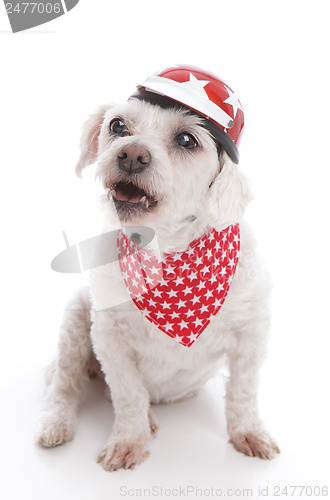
[276,57]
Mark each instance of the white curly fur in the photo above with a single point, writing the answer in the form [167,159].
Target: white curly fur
[140,365]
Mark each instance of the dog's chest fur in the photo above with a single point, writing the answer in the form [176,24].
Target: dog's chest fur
[170,370]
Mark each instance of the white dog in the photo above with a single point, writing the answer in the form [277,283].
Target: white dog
[164,171]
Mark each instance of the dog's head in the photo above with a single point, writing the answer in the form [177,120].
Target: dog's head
[162,165]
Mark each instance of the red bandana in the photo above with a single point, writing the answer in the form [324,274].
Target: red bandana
[181,293]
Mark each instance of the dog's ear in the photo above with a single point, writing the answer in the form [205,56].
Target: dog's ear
[229,194]
[89,142]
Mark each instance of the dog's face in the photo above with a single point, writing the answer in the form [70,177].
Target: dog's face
[159,165]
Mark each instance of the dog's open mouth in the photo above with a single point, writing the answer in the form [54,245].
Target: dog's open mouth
[126,194]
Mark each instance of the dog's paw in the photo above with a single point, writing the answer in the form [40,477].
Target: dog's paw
[54,431]
[153,423]
[122,454]
[255,445]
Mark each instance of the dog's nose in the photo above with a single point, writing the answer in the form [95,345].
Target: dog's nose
[133,158]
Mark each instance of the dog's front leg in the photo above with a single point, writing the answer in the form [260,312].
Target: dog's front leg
[244,426]
[131,432]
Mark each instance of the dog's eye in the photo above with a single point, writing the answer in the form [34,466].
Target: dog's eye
[118,127]
[186,140]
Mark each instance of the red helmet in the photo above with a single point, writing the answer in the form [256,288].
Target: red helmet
[202,93]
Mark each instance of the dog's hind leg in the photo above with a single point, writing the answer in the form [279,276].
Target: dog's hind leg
[57,423]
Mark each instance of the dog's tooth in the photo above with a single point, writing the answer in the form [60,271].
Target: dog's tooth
[143,199]
[146,203]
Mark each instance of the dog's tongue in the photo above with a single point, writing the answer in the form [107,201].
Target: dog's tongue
[128,192]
